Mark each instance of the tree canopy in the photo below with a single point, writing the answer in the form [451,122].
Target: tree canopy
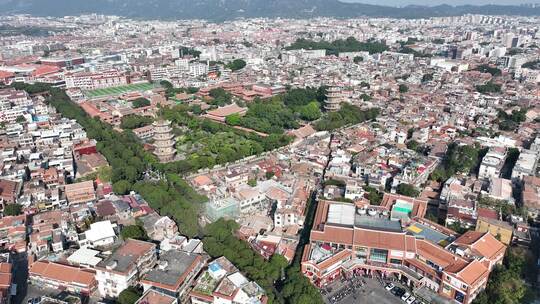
[511,122]
[347,115]
[12,209]
[236,64]
[508,282]
[486,68]
[129,295]
[339,46]
[403,88]
[489,87]
[311,111]
[133,121]
[269,116]
[220,97]
[407,190]
[140,102]
[133,232]
[458,159]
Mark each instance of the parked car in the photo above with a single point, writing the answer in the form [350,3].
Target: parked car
[410,300]
[389,286]
[405,296]
[398,291]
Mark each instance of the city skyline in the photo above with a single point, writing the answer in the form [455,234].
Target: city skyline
[399,3]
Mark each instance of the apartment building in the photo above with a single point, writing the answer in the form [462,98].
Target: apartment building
[174,272]
[124,267]
[92,81]
[526,164]
[492,163]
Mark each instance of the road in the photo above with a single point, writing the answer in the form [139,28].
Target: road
[20,271]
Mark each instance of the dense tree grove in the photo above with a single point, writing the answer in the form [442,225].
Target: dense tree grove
[486,68]
[374,196]
[408,50]
[171,91]
[12,209]
[129,295]
[427,77]
[187,51]
[279,113]
[311,111]
[533,65]
[220,97]
[140,102]
[269,116]
[339,46]
[489,87]
[131,122]
[133,232]
[236,65]
[403,88]
[407,190]
[175,198]
[458,159]
[510,122]
[507,283]
[347,115]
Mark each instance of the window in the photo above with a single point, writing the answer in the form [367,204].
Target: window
[395,261]
[460,297]
[447,289]
[378,255]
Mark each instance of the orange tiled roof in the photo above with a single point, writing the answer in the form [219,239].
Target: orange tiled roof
[62,273]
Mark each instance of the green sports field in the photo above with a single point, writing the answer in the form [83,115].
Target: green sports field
[113,91]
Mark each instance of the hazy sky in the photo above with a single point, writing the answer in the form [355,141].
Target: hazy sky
[437,2]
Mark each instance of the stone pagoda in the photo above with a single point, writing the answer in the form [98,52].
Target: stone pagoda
[333,99]
[163,141]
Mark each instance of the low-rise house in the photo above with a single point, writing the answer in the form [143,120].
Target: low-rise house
[13,233]
[182,243]
[531,195]
[58,276]
[100,234]
[501,189]
[82,192]
[9,191]
[501,230]
[6,279]
[222,283]
[159,227]
[152,296]
[85,257]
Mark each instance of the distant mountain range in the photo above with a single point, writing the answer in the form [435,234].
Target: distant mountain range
[219,10]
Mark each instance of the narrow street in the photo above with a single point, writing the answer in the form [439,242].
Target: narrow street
[20,271]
